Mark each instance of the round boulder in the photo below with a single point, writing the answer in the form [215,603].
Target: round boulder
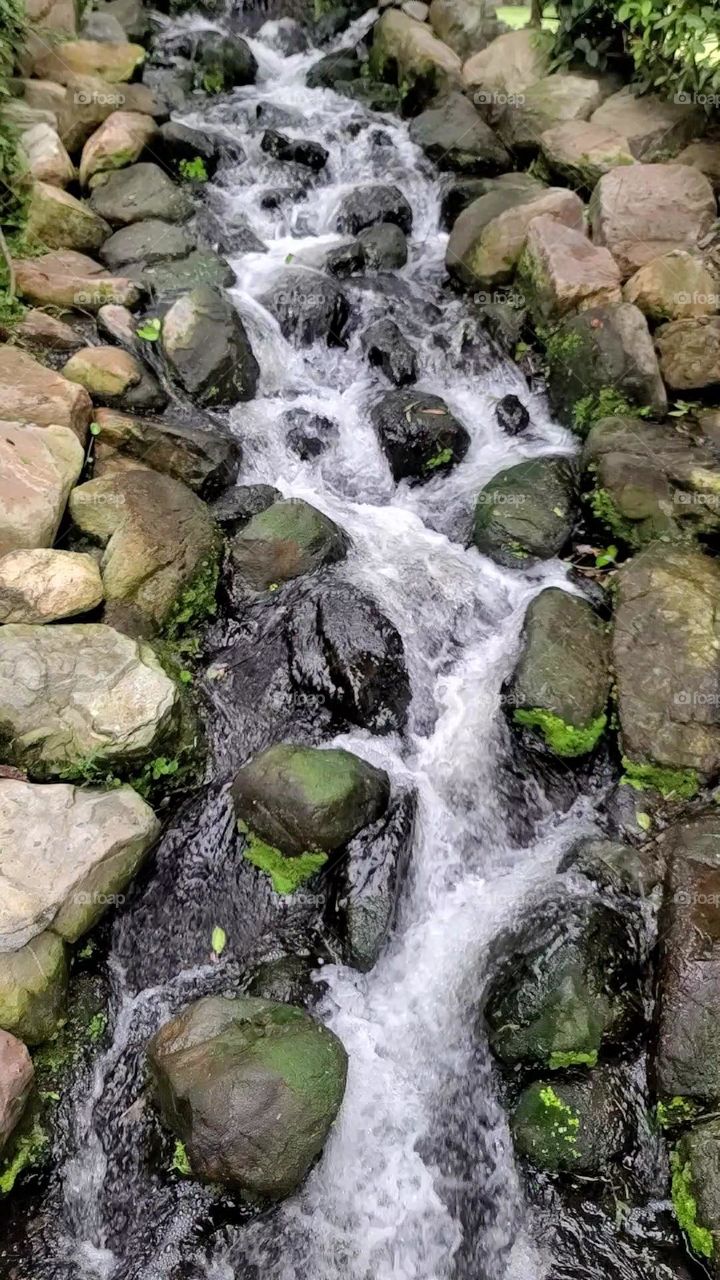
[287,539]
[375,202]
[307,306]
[526,512]
[574,1126]
[418,434]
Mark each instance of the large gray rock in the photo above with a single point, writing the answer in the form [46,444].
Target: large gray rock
[81,696]
[489,236]
[455,136]
[644,210]
[666,638]
[284,541]
[137,193]
[146,242]
[580,152]
[654,126]
[689,353]
[371,203]
[467,26]
[38,467]
[526,512]
[64,853]
[159,538]
[554,100]
[251,1088]
[696,1191]
[33,987]
[192,451]
[16,1082]
[58,220]
[561,684]
[208,351]
[308,307]
[406,53]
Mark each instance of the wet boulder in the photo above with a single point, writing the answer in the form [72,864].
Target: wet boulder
[300,802]
[251,1088]
[570,990]
[284,35]
[368,882]
[234,507]
[145,243]
[573,1126]
[66,851]
[526,513]
[512,416]
[668,702]
[386,348]
[222,62]
[16,1081]
[181,148]
[308,434]
[334,70]
[137,193]
[195,453]
[696,1191]
[295,150]
[81,692]
[371,203]
[406,53]
[622,868]
[33,987]
[384,247]
[165,280]
[602,361]
[287,980]
[488,238]
[308,307]
[207,348]
[285,541]
[419,435]
[455,136]
[560,686]
[687,1055]
[644,210]
[160,541]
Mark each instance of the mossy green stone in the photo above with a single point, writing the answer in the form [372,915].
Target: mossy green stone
[526,511]
[572,1126]
[33,987]
[288,539]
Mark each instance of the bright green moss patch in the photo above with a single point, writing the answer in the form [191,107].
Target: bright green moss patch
[606,403]
[685,1206]
[180,1162]
[440,459]
[673,784]
[604,509]
[559,1060]
[29,1150]
[564,739]
[676,1111]
[286,874]
[198,600]
[560,346]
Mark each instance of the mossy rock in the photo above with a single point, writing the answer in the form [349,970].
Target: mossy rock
[695,1169]
[288,539]
[33,988]
[575,1126]
[526,513]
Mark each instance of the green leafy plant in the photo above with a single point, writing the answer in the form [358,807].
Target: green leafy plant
[675,47]
[193,170]
[218,940]
[149,330]
[213,81]
[606,557]
[180,1162]
[589,33]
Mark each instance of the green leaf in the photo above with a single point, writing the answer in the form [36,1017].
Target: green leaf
[644,821]
[95,428]
[149,330]
[218,940]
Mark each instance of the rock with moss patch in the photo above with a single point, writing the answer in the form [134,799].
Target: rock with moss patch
[526,512]
[580,152]
[667,703]
[113,62]
[286,540]
[573,1126]
[194,452]
[139,192]
[33,987]
[674,286]
[159,539]
[570,990]
[488,238]
[561,683]
[551,101]
[81,699]
[419,435]
[16,1082]
[251,1088]
[695,1190]
[299,804]
[652,480]
[119,141]
[689,353]
[561,271]
[454,135]
[602,362]
[58,220]
[207,348]
[406,53]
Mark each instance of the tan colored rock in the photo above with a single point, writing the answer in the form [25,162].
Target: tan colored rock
[38,468]
[119,141]
[106,372]
[655,127]
[91,100]
[112,62]
[33,980]
[57,219]
[45,332]
[47,21]
[704,156]
[16,1081]
[676,286]
[467,26]
[645,210]
[44,95]
[551,101]
[489,236]
[581,152]
[43,585]
[30,392]
[562,271]
[508,66]
[47,159]
[422,65]
[689,353]
[68,279]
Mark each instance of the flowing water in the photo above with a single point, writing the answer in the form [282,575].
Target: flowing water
[417,1181]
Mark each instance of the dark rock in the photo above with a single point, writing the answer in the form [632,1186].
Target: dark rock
[231,232]
[374,202]
[222,62]
[171,86]
[165,280]
[139,192]
[526,513]
[308,434]
[285,541]
[276,197]
[179,143]
[464,191]
[145,243]
[564,997]
[384,247]
[455,136]
[308,307]
[346,260]
[616,866]
[385,347]
[297,150]
[368,882]
[573,1126]
[287,980]
[696,1191]
[334,68]
[419,435]
[235,507]
[206,346]
[193,452]
[512,415]
[251,1088]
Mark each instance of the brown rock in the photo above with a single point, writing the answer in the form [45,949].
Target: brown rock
[90,100]
[119,141]
[43,585]
[45,333]
[29,392]
[581,152]
[112,62]
[44,95]
[562,271]
[704,156]
[48,161]
[645,210]
[58,220]
[654,127]
[689,353]
[106,372]
[16,1081]
[489,236]
[38,468]
[68,279]
[508,65]
[676,286]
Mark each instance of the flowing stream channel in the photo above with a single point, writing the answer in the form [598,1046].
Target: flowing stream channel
[417,1181]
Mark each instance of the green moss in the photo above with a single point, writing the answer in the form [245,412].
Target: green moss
[213,81]
[96,1027]
[675,1112]
[675,784]
[606,403]
[286,874]
[559,346]
[193,170]
[685,1206]
[29,1150]
[197,602]
[559,1060]
[564,739]
[604,510]
[440,459]
[180,1162]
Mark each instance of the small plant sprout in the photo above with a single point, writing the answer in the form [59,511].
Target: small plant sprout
[218,940]
[95,428]
[643,820]
[149,330]
[193,170]
[606,557]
